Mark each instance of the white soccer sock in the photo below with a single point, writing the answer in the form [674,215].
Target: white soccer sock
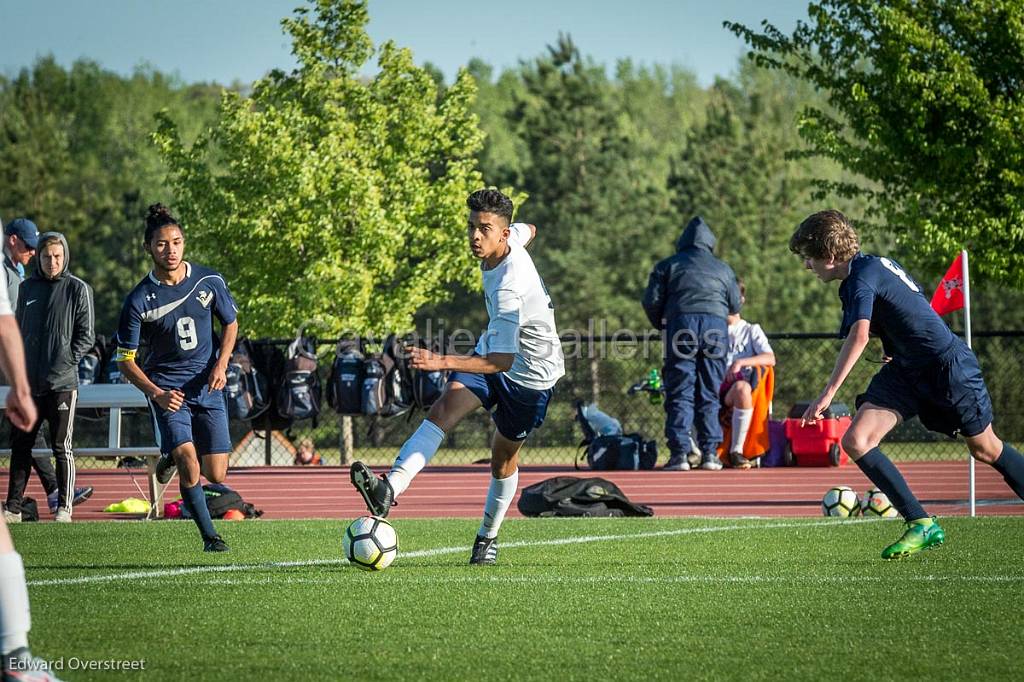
[415,454]
[740,426]
[15,620]
[499,498]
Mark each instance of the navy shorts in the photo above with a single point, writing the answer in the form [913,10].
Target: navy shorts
[201,420]
[949,396]
[516,410]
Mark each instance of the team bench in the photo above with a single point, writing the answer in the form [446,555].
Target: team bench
[113,397]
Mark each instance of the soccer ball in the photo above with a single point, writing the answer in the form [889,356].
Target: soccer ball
[370,543]
[876,503]
[840,501]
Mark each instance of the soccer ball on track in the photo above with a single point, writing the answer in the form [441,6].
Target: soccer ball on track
[876,503]
[840,501]
[370,543]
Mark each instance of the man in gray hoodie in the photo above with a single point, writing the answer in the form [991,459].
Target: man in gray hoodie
[688,297]
[55,315]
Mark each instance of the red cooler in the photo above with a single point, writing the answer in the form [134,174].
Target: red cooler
[818,444]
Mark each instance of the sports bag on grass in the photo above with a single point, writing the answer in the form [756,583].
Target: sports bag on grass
[571,496]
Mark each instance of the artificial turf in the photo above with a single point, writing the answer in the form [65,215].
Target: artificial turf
[638,599]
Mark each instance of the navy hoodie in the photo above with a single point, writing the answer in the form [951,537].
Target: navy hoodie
[693,281]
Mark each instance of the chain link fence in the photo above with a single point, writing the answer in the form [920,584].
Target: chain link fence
[599,370]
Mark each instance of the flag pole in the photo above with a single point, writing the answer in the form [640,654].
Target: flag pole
[967,333]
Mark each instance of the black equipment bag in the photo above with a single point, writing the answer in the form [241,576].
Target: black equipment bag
[571,496]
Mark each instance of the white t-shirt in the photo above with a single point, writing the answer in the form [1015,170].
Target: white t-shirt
[745,341]
[5,300]
[522,318]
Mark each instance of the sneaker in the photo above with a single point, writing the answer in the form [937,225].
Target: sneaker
[81,495]
[677,463]
[711,463]
[215,544]
[485,551]
[738,461]
[11,517]
[376,491]
[21,666]
[165,468]
[915,538]
[63,516]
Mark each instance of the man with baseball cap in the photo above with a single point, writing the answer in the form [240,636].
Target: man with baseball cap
[21,237]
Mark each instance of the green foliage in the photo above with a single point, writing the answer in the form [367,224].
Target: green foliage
[735,171]
[327,197]
[591,190]
[77,159]
[926,102]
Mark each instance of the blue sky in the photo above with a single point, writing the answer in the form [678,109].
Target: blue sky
[228,40]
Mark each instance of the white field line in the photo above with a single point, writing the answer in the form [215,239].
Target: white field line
[619,579]
[438,551]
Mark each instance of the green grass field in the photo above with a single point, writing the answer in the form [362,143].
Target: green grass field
[571,599]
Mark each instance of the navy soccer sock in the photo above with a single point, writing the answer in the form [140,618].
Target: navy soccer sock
[884,474]
[1011,465]
[195,502]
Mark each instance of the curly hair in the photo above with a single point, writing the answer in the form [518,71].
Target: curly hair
[490,201]
[157,216]
[825,234]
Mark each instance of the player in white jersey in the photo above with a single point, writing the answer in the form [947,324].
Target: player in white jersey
[15,620]
[511,373]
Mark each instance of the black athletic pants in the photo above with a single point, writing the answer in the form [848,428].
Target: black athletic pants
[57,409]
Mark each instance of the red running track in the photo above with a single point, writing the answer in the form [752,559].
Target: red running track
[325,492]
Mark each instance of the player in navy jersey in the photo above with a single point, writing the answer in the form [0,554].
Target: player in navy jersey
[930,372]
[171,311]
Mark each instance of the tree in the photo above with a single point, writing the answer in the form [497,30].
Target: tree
[78,159]
[926,102]
[734,170]
[329,197]
[592,191]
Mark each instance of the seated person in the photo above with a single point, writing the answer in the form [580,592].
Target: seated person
[748,349]
[306,454]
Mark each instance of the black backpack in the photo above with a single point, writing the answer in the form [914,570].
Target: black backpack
[609,453]
[220,499]
[345,385]
[246,391]
[299,393]
[427,386]
[386,390]
[91,364]
[570,496]
[268,359]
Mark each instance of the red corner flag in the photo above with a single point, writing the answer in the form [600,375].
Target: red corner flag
[949,296]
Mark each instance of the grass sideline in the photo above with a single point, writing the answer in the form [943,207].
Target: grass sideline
[652,599]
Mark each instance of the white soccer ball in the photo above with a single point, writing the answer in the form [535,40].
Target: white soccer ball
[370,543]
[876,503]
[840,501]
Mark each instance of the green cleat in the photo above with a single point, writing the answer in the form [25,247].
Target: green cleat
[916,537]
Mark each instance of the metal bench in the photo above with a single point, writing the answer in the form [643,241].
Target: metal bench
[113,397]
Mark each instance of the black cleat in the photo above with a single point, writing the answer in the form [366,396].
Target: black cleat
[485,551]
[215,544]
[376,491]
[165,468]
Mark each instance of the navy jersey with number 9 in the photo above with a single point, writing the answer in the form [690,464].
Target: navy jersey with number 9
[177,324]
